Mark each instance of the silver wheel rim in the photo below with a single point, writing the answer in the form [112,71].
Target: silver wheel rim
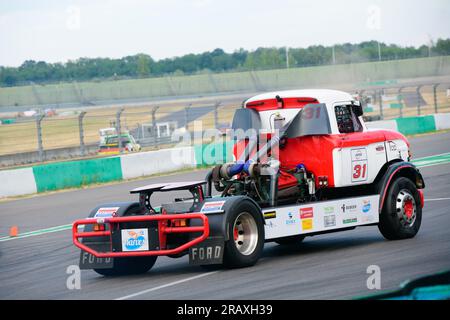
[245,233]
[406,208]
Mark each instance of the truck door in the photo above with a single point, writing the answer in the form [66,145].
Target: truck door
[361,154]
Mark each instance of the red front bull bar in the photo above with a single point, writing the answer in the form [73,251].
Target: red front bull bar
[166,225]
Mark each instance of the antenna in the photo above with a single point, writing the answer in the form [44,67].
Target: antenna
[280,101]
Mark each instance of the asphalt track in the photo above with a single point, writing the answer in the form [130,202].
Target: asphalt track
[322,267]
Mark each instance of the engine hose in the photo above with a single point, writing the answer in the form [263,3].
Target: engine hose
[247,166]
[235,169]
[216,178]
[207,190]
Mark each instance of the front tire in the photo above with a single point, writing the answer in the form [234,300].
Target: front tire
[401,215]
[245,227]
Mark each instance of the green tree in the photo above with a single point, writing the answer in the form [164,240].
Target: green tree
[143,65]
[443,47]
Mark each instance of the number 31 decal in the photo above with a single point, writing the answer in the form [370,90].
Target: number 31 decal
[359,171]
[359,164]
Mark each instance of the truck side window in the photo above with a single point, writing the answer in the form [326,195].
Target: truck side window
[347,121]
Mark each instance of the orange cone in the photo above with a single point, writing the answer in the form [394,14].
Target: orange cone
[13,231]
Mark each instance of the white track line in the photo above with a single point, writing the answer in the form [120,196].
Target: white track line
[166,285]
[437,199]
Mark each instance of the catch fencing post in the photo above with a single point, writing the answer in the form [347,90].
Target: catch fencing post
[418,99]
[186,116]
[81,131]
[118,128]
[39,119]
[381,104]
[155,135]
[213,82]
[399,99]
[435,97]
[216,113]
[361,94]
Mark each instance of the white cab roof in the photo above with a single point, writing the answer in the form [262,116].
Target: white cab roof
[322,95]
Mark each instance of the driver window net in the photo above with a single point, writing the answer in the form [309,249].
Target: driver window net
[347,121]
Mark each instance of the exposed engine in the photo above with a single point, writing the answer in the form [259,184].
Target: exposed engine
[260,182]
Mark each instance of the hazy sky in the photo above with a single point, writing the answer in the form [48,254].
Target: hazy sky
[58,30]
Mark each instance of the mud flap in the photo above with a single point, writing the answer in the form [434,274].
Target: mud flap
[88,261]
[207,252]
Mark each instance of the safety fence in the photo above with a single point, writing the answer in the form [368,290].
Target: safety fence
[398,101]
[73,174]
[52,135]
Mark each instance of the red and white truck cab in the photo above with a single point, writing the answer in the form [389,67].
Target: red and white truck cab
[349,155]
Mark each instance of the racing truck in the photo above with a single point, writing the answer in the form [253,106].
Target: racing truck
[304,164]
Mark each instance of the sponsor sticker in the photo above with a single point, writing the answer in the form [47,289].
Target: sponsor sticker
[366,206]
[348,208]
[306,213]
[359,154]
[328,210]
[270,215]
[134,239]
[329,221]
[106,212]
[307,224]
[212,206]
[290,220]
[350,220]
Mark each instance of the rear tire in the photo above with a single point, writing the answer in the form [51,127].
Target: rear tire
[245,227]
[290,240]
[129,265]
[401,215]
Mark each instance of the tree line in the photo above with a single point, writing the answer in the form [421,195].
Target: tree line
[142,65]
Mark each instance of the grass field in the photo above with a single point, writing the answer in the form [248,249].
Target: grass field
[63,131]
